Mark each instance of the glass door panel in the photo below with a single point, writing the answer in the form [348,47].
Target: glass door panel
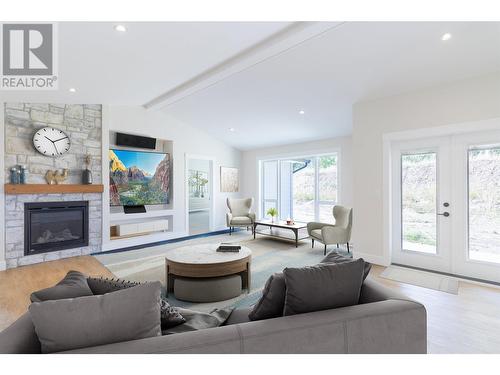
[303,190]
[421,210]
[327,187]
[286,177]
[326,213]
[327,170]
[484,204]
[446,204]
[419,202]
[476,188]
[269,186]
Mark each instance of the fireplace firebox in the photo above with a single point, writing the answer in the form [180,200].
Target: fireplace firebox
[53,226]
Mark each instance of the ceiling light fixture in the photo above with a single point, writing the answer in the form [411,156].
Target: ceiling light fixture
[232,129]
[72,89]
[120,28]
[302,112]
[446,37]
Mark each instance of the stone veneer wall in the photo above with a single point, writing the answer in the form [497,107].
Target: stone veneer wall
[82,123]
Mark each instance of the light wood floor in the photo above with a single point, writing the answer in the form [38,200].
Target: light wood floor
[465,323]
[17,284]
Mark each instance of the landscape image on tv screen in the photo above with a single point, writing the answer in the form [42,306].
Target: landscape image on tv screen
[138,178]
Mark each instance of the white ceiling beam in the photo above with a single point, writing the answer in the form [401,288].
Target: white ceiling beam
[276,44]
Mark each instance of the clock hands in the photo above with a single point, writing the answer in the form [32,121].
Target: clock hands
[60,139]
[54,143]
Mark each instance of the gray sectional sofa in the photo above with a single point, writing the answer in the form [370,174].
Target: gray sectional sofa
[383,322]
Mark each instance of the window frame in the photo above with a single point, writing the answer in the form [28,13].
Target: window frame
[313,156]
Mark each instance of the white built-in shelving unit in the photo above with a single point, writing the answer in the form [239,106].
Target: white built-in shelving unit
[115,215]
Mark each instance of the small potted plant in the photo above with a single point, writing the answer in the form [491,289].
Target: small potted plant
[273,212]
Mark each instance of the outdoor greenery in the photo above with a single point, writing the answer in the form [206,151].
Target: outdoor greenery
[327,161]
[418,198]
[197,182]
[419,202]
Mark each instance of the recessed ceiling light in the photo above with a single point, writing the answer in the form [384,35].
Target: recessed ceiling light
[302,112]
[446,37]
[232,129]
[120,28]
[72,89]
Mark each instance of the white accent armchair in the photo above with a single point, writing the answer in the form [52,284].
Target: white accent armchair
[239,214]
[329,234]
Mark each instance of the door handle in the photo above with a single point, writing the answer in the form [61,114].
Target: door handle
[445,214]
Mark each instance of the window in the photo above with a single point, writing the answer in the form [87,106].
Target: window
[302,188]
[419,202]
[484,204]
[270,185]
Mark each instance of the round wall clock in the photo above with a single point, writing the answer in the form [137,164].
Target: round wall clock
[51,142]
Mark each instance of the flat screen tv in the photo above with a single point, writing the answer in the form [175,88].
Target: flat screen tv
[138,178]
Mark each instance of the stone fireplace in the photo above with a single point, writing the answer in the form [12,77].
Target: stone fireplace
[83,124]
[53,226]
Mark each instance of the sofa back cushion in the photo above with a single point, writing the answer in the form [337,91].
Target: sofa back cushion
[322,287]
[272,302]
[336,258]
[128,314]
[73,285]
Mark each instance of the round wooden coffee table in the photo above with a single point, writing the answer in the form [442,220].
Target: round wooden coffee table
[203,261]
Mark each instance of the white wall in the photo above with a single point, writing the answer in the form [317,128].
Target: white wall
[186,140]
[459,102]
[250,176]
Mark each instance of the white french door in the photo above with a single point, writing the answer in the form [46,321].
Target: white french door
[446,204]
[421,193]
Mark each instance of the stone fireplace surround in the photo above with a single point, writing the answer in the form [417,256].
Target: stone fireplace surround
[83,125]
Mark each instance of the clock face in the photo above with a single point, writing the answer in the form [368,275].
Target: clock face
[51,142]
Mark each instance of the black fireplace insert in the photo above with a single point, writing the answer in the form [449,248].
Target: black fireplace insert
[53,226]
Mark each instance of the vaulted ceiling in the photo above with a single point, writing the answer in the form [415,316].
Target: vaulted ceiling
[246,83]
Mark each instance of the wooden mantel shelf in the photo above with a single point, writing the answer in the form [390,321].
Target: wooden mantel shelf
[52,189]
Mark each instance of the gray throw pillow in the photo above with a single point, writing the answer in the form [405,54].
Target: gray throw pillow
[322,287]
[170,316]
[73,285]
[272,302]
[100,285]
[336,258]
[125,315]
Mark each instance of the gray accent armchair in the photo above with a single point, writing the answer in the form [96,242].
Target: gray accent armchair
[329,234]
[239,214]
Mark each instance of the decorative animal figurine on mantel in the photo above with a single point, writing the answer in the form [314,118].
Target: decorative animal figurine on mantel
[56,177]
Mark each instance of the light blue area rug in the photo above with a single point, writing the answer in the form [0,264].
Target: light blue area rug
[268,256]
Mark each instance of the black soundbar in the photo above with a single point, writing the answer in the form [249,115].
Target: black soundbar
[138,209]
[137,141]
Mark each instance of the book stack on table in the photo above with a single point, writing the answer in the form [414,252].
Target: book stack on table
[228,248]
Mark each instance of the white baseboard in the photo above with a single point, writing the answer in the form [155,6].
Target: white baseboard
[375,259]
[3,265]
